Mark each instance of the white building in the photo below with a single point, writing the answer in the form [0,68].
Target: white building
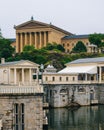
[21,96]
[82,79]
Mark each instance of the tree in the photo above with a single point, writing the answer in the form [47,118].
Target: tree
[28,48]
[80,47]
[6,50]
[60,47]
[96,39]
[0,34]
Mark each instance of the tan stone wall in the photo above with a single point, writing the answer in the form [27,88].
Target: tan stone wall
[70,43]
[33,113]
[65,78]
[55,36]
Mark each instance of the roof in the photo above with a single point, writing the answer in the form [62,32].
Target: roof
[87,60]
[75,37]
[32,23]
[79,70]
[16,62]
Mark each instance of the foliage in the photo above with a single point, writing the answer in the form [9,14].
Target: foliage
[6,50]
[96,39]
[80,47]
[54,46]
[28,48]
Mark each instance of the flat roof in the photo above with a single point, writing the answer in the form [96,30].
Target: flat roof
[87,60]
[75,37]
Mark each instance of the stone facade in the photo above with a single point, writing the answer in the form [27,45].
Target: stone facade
[31,118]
[61,95]
[21,96]
[80,82]
[37,34]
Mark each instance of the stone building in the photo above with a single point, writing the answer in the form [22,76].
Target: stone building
[69,42]
[81,82]
[37,34]
[21,96]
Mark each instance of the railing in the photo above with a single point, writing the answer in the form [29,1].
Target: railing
[17,89]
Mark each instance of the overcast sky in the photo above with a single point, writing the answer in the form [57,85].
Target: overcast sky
[75,16]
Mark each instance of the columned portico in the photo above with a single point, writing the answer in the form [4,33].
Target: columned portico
[38,39]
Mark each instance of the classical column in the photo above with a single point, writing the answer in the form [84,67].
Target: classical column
[15,76]
[22,75]
[30,42]
[100,74]
[40,42]
[35,40]
[86,77]
[30,76]
[9,76]
[25,39]
[45,39]
[17,42]
[21,42]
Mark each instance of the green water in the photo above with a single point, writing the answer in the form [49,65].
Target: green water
[84,118]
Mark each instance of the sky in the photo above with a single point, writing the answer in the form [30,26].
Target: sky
[75,16]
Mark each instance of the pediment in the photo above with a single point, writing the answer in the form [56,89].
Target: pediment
[27,63]
[31,24]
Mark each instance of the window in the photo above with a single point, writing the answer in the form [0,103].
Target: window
[46,78]
[19,116]
[16,117]
[60,78]
[53,78]
[73,78]
[68,44]
[22,116]
[67,78]
[63,45]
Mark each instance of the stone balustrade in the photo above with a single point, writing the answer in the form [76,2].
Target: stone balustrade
[17,89]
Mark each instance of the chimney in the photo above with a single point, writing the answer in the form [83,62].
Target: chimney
[2,60]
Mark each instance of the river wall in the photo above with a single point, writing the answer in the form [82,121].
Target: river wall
[62,95]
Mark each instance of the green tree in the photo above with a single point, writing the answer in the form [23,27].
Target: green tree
[6,50]
[80,47]
[96,39]
[28,48]
[60,47]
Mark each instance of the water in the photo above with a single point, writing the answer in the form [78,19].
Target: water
[83,118]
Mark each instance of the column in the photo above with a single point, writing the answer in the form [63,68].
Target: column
[45,39]
[15,76]
[86,77]
[30,76]
[30,39]
[35,40]
[25,39]
[17,42]
[22,75]
[40,42]
[9,76]
[100,74]
[21,42]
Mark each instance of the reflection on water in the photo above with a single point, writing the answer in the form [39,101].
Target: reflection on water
[84,118]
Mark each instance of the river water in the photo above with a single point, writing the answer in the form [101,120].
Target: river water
[83,118]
